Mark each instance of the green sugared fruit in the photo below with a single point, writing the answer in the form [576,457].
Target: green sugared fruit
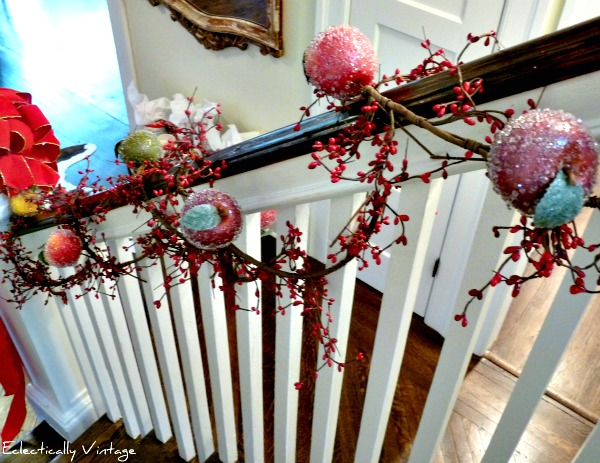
[140,146]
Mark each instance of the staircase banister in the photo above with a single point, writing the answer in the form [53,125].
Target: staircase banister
[552,58]
[549,59]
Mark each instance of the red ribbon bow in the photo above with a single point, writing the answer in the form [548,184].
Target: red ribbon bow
[28,146]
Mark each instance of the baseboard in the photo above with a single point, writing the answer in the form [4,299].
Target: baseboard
[554,395]
[70,423]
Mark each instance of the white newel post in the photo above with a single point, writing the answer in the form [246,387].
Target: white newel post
[56,390]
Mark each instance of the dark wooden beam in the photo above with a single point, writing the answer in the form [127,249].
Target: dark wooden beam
[553,58]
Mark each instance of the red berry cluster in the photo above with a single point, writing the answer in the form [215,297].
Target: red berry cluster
[545,250]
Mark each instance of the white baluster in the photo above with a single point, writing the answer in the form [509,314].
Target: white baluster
[134,311]
[164,342]
[93,346]
[184,314]
[401,286]
[288,348]
[590,450]
[81,347]
[214,321]
[97,307]
[341,288]
[121,333]
[249,345]
[482,256]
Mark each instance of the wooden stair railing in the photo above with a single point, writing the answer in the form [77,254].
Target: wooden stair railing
[146,366]
[553,58]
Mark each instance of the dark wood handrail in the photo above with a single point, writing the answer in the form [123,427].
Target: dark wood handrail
[553,58]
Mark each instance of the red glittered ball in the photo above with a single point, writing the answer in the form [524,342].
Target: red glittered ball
[211,219]
[268,219]
[340,61]
[527,155]
[63,248]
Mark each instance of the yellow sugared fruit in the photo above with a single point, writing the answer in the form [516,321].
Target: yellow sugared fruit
[24,204]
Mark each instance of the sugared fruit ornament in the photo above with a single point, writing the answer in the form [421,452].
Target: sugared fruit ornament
[63,248]
[544,163]
[24,204]
[140,146]
[268,219]
[210,219]
[340,61]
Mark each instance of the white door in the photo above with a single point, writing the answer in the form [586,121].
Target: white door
[397,27]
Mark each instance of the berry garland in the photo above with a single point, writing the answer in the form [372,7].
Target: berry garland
[203,229]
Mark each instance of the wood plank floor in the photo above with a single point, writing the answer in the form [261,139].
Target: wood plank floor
[554,434]
[576,381]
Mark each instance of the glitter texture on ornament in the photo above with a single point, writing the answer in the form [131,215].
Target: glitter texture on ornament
[532,149]
[63,248]
[211,219]
[340,61]
[140,146]
[268,219]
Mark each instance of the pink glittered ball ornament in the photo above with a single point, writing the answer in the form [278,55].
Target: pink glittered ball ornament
[527,157]
[268,219]
[63,248]
[340,61]
[210,219]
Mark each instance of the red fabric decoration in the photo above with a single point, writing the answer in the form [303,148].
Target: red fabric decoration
[28,147]
[12,380]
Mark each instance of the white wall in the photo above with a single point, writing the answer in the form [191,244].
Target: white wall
[256,92]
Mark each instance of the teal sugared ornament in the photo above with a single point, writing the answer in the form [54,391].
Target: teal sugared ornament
[210,219]
[560,204]
[201,217]
[536,149]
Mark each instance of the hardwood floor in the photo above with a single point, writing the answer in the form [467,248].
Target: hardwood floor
[554,434]
[576,381]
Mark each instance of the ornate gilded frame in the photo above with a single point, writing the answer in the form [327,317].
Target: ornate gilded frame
[217,32]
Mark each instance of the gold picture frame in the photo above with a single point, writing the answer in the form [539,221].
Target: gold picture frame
[218,24]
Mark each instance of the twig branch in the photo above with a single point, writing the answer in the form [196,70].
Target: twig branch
[466,143]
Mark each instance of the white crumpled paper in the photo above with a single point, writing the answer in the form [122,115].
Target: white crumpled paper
[174,110]
[146,111]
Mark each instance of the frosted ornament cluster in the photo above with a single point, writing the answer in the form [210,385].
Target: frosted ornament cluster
[528,154]
[340,61]
[211,219]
